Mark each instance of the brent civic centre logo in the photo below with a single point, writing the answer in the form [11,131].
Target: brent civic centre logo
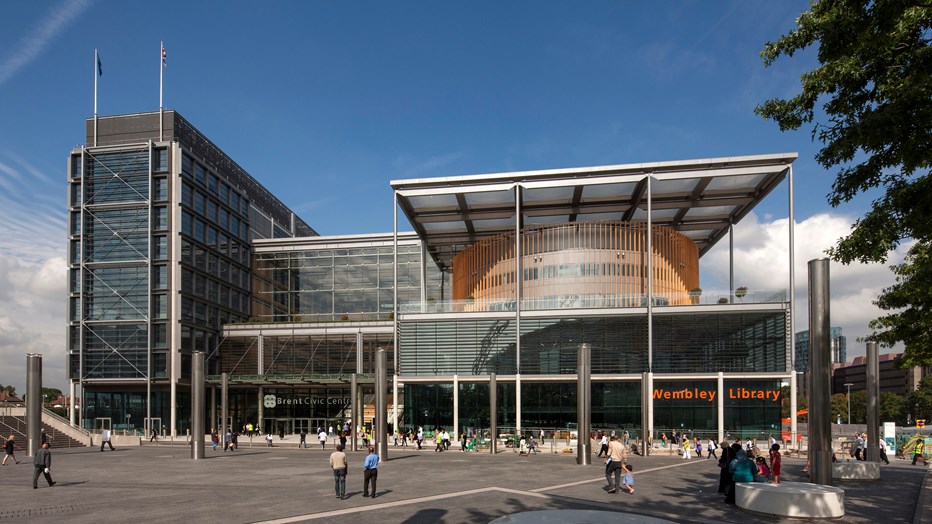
[269,401]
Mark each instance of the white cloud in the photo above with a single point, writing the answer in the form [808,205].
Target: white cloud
[39,37]
[760,261]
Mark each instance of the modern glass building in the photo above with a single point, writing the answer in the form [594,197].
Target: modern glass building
[160,257]
[504,273]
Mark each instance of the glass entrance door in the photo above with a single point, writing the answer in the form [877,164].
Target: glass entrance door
[300,424]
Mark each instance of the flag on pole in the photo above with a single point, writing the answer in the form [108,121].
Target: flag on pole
[100,68]
[164,56]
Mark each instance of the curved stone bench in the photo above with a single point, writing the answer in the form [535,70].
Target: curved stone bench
[856,471]
[791,499]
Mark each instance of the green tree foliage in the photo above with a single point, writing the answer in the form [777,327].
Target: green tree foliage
[871,100]
[839,407]
[859,407]
[919,402]
[892,408]
[801,404]
[8,389]
[50,394]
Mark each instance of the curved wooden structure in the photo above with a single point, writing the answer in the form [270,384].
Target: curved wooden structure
[591,264]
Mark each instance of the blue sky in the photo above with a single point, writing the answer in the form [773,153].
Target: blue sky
[324,103]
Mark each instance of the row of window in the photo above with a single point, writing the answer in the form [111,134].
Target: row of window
[209,235]
[214,292]
[209,261]
[193,170]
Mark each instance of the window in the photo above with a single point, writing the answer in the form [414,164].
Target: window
[200,203]
[200,174]
[186,223]
[160,218]
[187,195]
[160,277]
[160,306]
[187,166]
[76,166]
[75,222]
[160,160]
[159,189]
[160,248]
[199,230]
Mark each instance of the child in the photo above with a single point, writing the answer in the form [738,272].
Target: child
[629,477]
[775,463]
[763,472]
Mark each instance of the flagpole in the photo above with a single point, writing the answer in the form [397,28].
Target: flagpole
[161,68]
[96,60]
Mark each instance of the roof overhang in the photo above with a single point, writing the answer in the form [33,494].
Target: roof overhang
[699,198]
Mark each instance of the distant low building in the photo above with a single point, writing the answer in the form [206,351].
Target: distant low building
[893,378]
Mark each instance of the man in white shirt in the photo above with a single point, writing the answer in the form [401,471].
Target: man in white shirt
[322,436]
[105,439]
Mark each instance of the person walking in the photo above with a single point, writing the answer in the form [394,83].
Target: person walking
[917,452]
[104,439]
[370,468]
[603,446]
[883,451]
[617,457]
[686,447]
[214,439]
[8,448]
[698,448]
[340,468]
[712,447]
[322,437]
[43,465]
[303,442]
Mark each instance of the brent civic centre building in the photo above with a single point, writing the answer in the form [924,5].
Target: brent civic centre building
[174,248]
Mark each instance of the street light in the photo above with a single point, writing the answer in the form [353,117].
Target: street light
[848,385]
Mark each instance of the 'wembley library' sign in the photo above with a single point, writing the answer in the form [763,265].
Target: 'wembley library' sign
[271,401]
[709,394]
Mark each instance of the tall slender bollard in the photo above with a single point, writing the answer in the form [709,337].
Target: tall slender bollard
[873,403]
[225,408]
[820,369]
[198,410]
[583,406]
[354,411]
[381,405]
[33,402]
[493,414]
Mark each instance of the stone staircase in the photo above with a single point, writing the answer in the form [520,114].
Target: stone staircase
[16,426]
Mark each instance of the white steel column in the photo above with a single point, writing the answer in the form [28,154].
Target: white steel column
[359,346]
[148,422]
[395,401]
[789,344]
[71,391]
[174,297]
[395,350]
[731,262]
[518,281]
[260,345]
[423,277]
[650,287]
[456,406]
[721,407]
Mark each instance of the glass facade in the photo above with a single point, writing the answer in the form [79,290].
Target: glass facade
[304,355]
[354,283]
[732,341]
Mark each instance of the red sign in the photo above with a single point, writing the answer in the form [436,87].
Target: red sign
[920,423]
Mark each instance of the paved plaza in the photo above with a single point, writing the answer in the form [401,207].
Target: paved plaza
[285,484]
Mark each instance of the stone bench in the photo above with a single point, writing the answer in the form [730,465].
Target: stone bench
[856,471]
[791,499]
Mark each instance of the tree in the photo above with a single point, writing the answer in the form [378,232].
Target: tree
[892,408]
[874,85]
[50,394]
[859,407]
[919,402]
[840,407]
[11,390]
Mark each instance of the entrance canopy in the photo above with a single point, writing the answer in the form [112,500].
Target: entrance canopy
[700,198]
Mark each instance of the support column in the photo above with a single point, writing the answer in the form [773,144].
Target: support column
[381,406]
[224,406]
[456,406]
[583,406]
[213,407]
[493,412]
[354,411]
[33,402]
[820,369]
[71,404]
[873,403]
[647,413]
[518,406]
[197,405]
[261,414]
[395,404]
[721,407]
[791,347]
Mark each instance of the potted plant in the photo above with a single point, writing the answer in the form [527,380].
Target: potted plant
[695,292]
[722,300]
[741,292]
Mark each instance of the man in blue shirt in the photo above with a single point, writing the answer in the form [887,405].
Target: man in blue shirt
[371,467]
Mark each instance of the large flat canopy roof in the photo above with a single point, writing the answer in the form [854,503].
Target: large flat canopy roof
[699,198]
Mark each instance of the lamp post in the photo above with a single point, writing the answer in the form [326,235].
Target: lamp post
[848,385]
